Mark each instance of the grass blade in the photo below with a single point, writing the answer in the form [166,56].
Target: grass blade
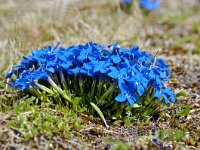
[100,113]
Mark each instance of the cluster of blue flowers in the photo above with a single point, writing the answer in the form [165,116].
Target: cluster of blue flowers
[146,4]
[133,71]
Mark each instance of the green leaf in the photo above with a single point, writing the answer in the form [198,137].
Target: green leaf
[2,84]
[108,92]
[161,134]
[182,94]
[180,134]
[116,144]
[184,105]
[11,124]
[183,112]
[120,146]
[76,101]
[61,126]
[117,122]
[100,113]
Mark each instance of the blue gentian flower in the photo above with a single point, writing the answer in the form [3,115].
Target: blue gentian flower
[28,78]
[126,1]
[158,142]
[168,94]
[149,4]
[133,71]
[127,93]
[101,66]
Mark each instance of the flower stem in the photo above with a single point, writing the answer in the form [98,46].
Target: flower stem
[58,89]
[44,88]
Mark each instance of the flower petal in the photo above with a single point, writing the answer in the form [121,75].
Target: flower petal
[130,100]
[140,90]
[120,98]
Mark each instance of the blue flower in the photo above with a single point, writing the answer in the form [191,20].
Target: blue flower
[168,94]
[101,66]
[119,74]
[127,94]
[84,53]
[87,69]
[28,62]
[138,82]
[28,78]
[17,70]
[74,71]
[149,4]
[133,70]
[158,142]
[126,1]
